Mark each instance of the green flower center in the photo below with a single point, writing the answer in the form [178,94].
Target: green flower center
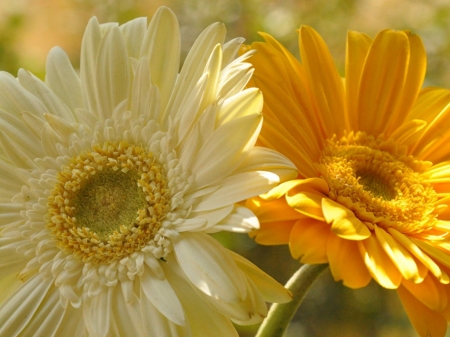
[108,202]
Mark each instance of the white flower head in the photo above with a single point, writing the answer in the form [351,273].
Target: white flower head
[112,179]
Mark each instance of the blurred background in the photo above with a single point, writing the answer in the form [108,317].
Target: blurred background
[30,28]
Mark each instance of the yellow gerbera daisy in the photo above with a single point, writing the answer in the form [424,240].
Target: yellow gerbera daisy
[112,179]
[372,194]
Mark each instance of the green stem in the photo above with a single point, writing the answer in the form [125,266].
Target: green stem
[280,315]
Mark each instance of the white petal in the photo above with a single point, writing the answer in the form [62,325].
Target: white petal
[53,103]
[18,310]
[97,313]
[241,220]
[62,78]
[15,99]
[89,48]
[200,133]
[225,149]
[126,316]
[133,32]
[112,72]
[47,318]
[209,267]
[190,225]
[202,320]
[212,70]
[162,296]
[265,159]
[144,96]
[245,103]
[271,290]
[16,153]
[236,188]
[234,78]
[162,45]
[231,48]
[72,323]
[207,219]
[9,284]
[156,324]
[194,65]
[20,134]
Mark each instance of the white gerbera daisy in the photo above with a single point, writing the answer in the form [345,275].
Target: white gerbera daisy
[111,180]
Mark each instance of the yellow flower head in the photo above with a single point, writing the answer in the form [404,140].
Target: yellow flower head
[372,194]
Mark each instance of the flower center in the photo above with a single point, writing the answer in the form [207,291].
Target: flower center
[108,202]
[378,182]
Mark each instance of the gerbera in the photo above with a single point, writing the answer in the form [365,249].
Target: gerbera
[112,180]
[372,194]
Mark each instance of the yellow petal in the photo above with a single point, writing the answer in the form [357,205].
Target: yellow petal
[307,203]
[433,107]
[273,233]
[346,263]
[308,241]
[357,47]
[409,132]
[425,259]
[275,136]
[343,221]
[326,84]
[399,255]
[379,264]
[434,252]
[382,78]
[427,322]
[282,189]
[274,210]
[430,292]
[416,67]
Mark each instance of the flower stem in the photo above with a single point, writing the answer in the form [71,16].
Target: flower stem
[280,315]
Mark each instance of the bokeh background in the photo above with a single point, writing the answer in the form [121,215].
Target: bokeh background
[30,28]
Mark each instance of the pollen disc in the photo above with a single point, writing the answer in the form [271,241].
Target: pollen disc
[379,184]
[108,202]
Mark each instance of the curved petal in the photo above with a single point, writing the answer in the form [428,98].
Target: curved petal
[308,241]
[399,256]
[162,296]
[161,44]
[427,322]
[344,223]
[384,75]
[311,184]
[358,45]
[419,254]
[430,292]
[379,264]
[201,319]
[274,210]
[324,80]
[270,289]
[18,310]
[415,74]
[236,188]
[342,254]
[273,233]
[62,79]
[209,267]
[307,203]
[112,73]
[221,154]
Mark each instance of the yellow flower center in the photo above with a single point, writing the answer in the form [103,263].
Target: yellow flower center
[108,202]
[378,182]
